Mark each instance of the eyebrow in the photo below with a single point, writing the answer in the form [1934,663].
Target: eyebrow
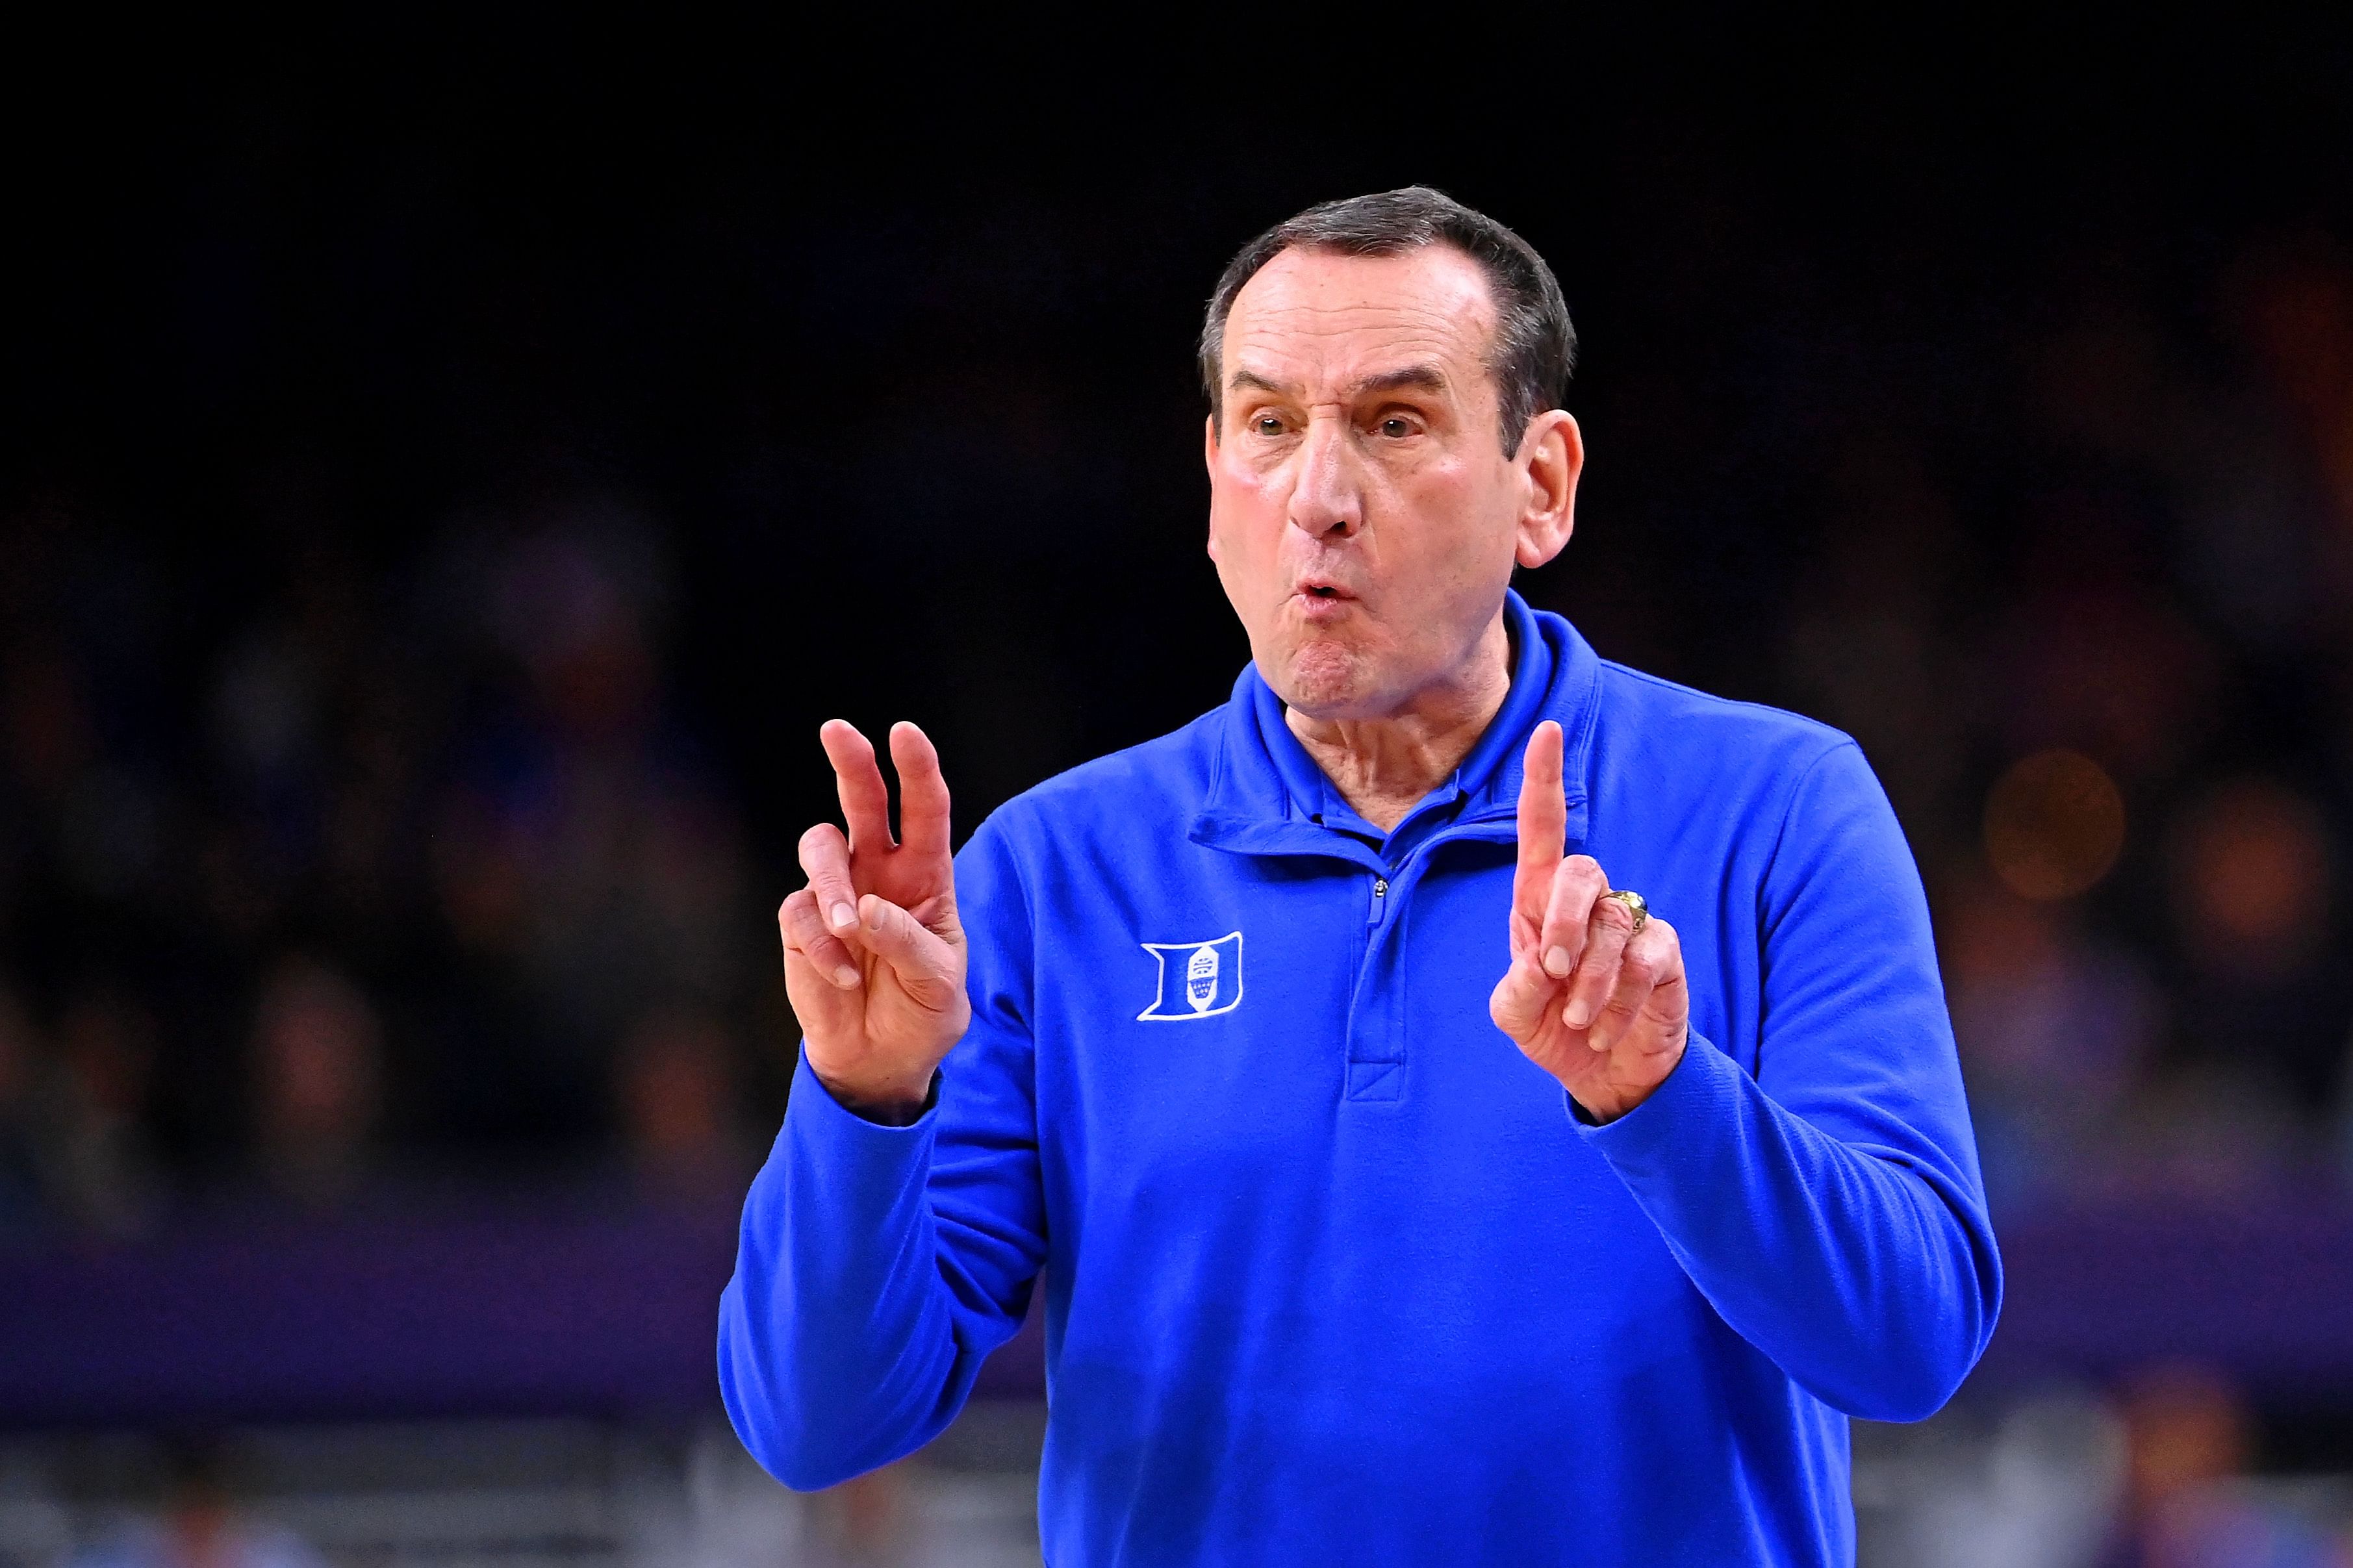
[1419,377]
[1414,378]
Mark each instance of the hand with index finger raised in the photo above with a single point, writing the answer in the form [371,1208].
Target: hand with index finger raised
[1602,1007]
[874,954]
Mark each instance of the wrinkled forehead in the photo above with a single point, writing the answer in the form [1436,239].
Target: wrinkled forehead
[1323,323]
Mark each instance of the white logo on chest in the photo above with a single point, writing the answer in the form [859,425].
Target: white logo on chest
[1198,979]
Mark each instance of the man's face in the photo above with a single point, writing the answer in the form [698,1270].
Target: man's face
[1363,514]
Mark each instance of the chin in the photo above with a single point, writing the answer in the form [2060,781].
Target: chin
[1323,680]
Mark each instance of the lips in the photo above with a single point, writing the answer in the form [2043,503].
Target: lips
[1319,600]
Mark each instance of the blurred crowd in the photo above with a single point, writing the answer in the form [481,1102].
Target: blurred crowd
[2169,1469]
[2166,1470]
[321,875]
[2124,747]
[330,864]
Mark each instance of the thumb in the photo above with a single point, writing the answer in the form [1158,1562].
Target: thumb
[937,914]
[925,964]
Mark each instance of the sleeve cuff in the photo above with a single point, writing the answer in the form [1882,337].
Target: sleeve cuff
[830,1117]
[1697,1094]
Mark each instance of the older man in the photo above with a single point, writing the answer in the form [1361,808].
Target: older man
[1207,1031]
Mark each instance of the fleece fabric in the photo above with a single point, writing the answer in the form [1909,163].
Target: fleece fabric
[1332,1273]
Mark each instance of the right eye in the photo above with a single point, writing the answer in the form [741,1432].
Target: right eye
[1267,425]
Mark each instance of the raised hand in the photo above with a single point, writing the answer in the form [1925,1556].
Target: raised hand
[874,956]
[1602,1008]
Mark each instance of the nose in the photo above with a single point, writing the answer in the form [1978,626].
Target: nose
[1327,499]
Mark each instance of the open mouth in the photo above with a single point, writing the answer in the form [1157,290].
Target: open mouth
[1322,604]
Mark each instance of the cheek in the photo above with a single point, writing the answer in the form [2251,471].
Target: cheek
[1229,549]
[1449,488]
[1465,518]
[1245,516]
[1242,489]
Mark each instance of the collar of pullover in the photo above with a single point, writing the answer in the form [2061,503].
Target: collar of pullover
[1269,796]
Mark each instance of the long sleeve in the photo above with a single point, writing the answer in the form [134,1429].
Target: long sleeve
[877,1267]
[1829,1208]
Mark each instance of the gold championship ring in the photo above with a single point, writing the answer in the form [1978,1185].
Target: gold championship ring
[1635,905]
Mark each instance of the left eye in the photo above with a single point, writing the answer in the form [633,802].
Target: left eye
[1395,428]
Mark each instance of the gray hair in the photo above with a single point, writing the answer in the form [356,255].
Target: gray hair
[1534,347]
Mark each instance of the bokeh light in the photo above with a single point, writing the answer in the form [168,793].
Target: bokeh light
[2253,858]
[2053,825]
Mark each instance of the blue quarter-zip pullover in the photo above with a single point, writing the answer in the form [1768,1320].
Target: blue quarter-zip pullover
[1333,1274]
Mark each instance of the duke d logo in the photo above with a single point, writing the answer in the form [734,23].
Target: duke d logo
[1198,979]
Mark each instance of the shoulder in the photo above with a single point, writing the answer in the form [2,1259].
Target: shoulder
[1655,714]
[1141,789]
[1685,752]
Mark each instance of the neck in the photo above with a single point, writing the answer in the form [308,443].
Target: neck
[1382,767]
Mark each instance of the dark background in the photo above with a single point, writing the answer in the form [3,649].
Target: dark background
[447,484]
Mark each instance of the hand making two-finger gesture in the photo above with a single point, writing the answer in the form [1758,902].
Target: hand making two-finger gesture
[1596,994]
[874,956]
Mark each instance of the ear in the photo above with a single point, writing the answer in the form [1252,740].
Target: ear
[1209,461]
[1551,456]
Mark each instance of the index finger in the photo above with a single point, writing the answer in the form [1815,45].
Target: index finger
[1544,821]
[865,802]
